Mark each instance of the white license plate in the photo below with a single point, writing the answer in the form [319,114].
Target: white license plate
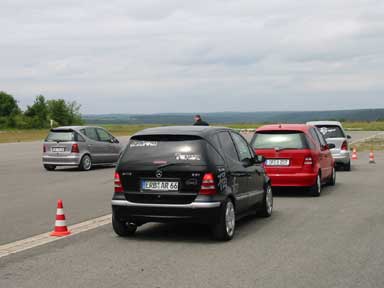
[148,185]
[277,162]
[58,149]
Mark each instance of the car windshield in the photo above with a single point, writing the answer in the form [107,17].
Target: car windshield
[279,140]
[60,136]
[161,150]
[331,131]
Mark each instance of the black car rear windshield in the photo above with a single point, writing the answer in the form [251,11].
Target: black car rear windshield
[61,136]
[331,131]
[165,149]
[279,140]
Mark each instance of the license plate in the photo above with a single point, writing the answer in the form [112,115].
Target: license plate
[149,185]
[277,162]
[58,149]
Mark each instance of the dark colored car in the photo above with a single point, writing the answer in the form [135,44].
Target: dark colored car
[195,174]
[296,155]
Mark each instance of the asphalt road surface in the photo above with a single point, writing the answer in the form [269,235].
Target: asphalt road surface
[28,193]
[335,240]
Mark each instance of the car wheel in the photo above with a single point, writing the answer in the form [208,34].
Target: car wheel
[316,189]
[49,167]
[332,179]
[225,229]
[267,206]
[86,163]
[347,167]
[123,228]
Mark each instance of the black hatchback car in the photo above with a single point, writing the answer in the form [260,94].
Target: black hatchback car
[207,175]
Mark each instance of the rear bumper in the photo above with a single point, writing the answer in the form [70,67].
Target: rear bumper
[293,180]
[70,160]
[341,157]
[195,212]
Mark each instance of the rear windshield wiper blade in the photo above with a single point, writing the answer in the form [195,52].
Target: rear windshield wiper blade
[172,164]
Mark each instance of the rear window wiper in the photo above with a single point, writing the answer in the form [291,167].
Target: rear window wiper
[173,164]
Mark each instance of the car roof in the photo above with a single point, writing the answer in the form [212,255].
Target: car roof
[202,131]
[289,127]
[76,128]
[326,123]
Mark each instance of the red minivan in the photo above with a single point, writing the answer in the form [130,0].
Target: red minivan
[295,155]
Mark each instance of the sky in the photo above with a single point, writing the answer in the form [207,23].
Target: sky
[194,56]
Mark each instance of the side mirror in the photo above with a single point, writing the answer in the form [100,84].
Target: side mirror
[259,159]
[349,137]
[114,140]
[331,146]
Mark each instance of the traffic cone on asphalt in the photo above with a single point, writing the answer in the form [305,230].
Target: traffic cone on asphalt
[60,225]
[371,157]
[354,154]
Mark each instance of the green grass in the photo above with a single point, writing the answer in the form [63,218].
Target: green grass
[376,144]
[7,136]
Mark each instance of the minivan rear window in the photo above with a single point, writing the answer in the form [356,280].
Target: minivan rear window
[165,149]
[331,131]
[280,140]
[61,136]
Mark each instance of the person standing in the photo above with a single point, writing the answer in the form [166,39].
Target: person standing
[199,121]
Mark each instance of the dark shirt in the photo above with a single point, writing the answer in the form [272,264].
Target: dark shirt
[200,123]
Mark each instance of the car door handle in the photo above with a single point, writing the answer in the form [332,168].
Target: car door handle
[239,174]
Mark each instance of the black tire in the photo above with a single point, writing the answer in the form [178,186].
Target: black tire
[123,229]
[347,167]
[85,163]
[315,190]
[332,179]
[225,229]
[49,167]
[267,205]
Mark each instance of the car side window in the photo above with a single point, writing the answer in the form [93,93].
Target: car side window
[321,137]
[315,137]
[91,133]
[103,135]
[242,147]
[228,146]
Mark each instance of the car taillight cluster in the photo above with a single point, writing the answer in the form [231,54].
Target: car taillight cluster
[308,161]
[75,148]
[344,146]
[118,186]
[44,149]
[208,185]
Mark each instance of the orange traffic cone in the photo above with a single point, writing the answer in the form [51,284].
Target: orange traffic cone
[371,157]
[354,154]
[60,225]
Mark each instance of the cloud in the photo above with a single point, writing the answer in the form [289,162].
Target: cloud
[185,56]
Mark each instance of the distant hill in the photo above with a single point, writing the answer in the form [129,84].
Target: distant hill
[239,117]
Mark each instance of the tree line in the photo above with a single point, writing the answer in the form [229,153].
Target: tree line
[40,114]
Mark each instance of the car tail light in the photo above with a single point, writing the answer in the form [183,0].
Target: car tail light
[75,148]
[44,149]
[208,185]
[344,146]
[118,186]
[308,161]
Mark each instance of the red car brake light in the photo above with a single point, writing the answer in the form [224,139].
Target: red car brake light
[75,148]
[118,186]
[308,161]
[44,148]
[208,185]
[344,146]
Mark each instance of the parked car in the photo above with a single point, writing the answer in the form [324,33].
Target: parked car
[81,146]
[197,174]
[334,133]
[296,155]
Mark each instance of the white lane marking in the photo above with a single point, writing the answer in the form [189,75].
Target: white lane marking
[367,138]
[38,240]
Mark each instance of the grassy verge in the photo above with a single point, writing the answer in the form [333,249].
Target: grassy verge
[7,136]
[376,144]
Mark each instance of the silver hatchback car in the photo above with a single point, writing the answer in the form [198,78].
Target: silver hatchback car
[334,133]
[81,146]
